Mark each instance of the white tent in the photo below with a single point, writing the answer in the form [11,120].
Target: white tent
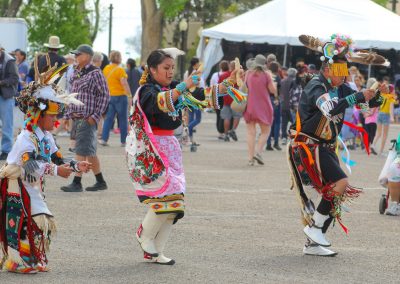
[280,22]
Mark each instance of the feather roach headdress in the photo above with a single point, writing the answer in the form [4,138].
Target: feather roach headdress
[339,50]
[44,95]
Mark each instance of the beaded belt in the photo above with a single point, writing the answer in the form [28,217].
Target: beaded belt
[304,138]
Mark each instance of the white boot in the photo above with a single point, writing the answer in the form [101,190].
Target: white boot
[311,248]
[314,232]
[161,240]
[147,232]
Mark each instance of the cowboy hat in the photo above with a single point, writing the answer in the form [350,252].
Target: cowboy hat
[54,42]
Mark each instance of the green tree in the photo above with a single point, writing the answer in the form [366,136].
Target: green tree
[382,2]
[64,18]
[155,13]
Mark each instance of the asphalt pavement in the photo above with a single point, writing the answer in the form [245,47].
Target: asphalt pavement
[241,224]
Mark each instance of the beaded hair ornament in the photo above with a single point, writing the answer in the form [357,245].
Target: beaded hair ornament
[339,50]
[43,95]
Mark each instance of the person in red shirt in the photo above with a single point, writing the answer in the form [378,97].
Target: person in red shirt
[227,113]
[215,79]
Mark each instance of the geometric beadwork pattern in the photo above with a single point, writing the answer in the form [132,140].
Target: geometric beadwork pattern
[13,219]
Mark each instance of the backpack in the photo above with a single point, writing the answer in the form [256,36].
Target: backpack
[294,96]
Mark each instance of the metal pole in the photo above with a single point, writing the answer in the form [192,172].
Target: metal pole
[183,56]
[369,66]
[110,29]
[184,34]
[285,55]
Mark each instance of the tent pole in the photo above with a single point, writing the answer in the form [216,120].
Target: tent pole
[369,66]
[284,55]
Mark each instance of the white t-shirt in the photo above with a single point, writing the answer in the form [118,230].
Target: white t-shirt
[22,145]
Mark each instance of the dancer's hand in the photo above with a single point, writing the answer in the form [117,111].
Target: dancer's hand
[383,88]
[237,76]
[64,171]
[193,80]
[368,94]
[84,166]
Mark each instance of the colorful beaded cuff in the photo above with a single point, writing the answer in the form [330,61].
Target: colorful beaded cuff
[215,97]
[74,166]
[211,94]
[351,100]
[165,102]
[181,87]
[228,83]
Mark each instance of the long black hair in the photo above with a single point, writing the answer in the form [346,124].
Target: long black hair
[155,58]
[193,62]
[131,62]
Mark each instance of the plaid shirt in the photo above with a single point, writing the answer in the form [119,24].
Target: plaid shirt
[93,91]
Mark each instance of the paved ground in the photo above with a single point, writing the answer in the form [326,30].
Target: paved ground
[241,225]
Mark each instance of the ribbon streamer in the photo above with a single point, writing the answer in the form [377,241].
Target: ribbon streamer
[364,134]
[346,158]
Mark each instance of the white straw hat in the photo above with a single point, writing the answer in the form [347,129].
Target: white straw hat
[54,42]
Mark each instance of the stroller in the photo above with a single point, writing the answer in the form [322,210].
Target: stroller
[182,134]
[383,179]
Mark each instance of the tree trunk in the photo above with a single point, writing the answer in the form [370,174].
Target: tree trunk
[152,19]
[96,20]
[13,8]
[4,6]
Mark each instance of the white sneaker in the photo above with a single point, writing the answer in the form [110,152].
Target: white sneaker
[311,248]
[162,259]
[316,236]
[102,142]
[63,134]
[393,209]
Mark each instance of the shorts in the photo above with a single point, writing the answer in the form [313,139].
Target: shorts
[85,138]
[330,166]
[228,113]
[384,118]
[394,171]
[72,135]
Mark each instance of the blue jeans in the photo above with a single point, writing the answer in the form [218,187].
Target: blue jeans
[286,118]
[276,126]
[194,119]
[6,117]
[118,105]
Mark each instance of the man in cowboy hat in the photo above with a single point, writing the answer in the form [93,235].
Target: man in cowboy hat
[53,46]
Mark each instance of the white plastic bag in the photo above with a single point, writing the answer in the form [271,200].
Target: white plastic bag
[383,177]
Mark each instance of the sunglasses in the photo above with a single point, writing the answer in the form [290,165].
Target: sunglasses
[77,54]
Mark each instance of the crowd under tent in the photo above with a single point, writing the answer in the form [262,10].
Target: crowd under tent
[275,26]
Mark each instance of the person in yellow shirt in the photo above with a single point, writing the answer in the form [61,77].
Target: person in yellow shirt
[385,117]
[119,92]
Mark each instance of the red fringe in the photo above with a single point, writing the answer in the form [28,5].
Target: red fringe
[326,190]
[341,225]
[37,252]
[3,196]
